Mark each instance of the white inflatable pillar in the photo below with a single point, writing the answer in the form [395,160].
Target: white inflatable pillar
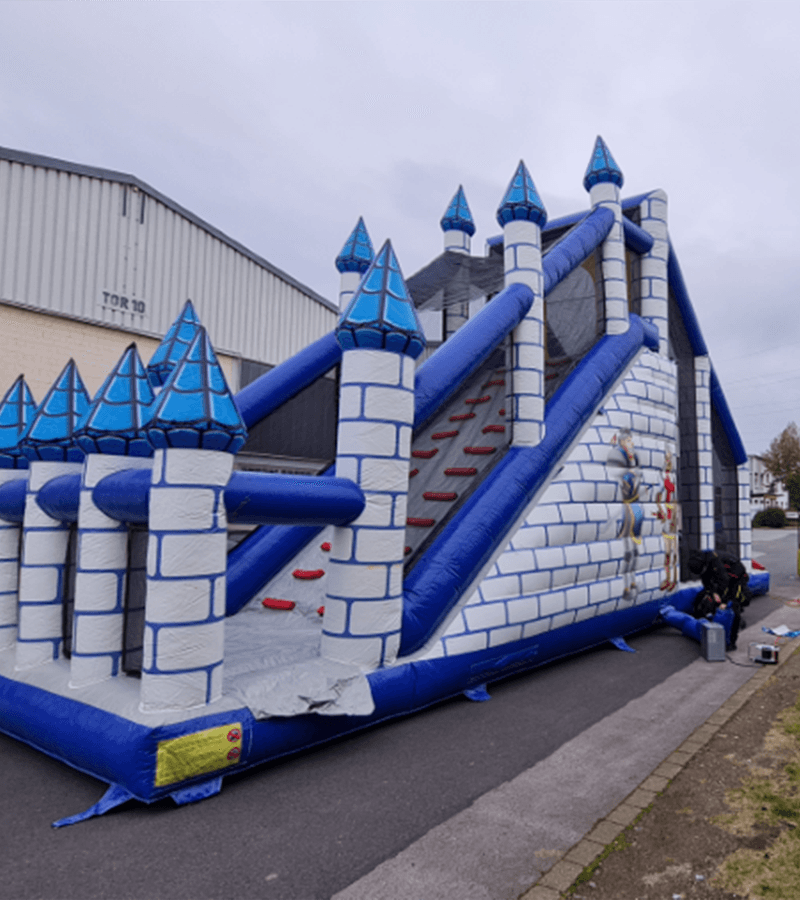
[17,408]
[705,455]
[100,578]
[42,571]
[745,514]
[522,216]
[364,605]
[197,429]
[187,556]
[354,259]
[10,533]
[603,180]
[48,443]
[653,279]
[458,227]
[111,436]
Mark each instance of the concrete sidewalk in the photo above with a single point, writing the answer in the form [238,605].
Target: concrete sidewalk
[532,836]
[563,874]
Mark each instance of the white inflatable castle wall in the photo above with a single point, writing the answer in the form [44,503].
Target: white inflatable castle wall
[602,535]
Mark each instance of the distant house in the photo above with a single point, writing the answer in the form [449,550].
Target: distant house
[765,491]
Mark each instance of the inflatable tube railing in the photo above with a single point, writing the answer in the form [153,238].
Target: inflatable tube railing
[251,498]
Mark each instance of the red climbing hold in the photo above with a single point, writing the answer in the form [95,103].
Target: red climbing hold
[461,471]
[494,429]
[498,382]
[320,610]
[424,454]
[484,399]
[420,523]
[413,472]
[501,412]
[479,451]
[308,574]
[326,546]
[439,495]
[407,550]
[461,417]
[273,603]
[443,434]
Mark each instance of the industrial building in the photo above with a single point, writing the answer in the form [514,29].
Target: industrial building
[93,259]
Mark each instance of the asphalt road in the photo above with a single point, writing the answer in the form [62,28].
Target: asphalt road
[349,817]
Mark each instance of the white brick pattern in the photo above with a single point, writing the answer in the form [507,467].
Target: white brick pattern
[186,564]
[652,267]
[363,607]
[523,265]
[615,282]
[100,578]
[566,562]
[9,569]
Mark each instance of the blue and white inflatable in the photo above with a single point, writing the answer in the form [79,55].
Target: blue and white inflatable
[527,492]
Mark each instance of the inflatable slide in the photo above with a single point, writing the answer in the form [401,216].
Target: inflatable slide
[531,489]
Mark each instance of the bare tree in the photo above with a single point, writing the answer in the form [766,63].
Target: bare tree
[783,457]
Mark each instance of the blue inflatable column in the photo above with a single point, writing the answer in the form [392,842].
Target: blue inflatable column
[458,227]
[111,435]
[653,284]
[705,454]
[195,429]
[522,216]
[381,337]
[16,410]
[48,445]
[353,261]
[603,180]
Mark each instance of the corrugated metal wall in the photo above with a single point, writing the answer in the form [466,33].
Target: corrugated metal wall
[115,253]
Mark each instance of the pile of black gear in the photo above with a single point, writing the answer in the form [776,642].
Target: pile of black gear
[724,584]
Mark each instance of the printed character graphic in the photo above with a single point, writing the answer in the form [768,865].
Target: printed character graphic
[667,512]
[629,525]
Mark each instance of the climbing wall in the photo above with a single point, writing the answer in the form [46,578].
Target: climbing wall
[452,453]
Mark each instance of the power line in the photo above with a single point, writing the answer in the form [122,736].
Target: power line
[790,377]
[792,346]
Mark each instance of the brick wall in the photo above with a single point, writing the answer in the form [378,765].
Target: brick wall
[39,345]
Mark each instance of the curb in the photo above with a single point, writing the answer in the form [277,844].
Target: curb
[562,876]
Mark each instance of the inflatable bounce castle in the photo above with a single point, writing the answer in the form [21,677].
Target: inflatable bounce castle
[531,489]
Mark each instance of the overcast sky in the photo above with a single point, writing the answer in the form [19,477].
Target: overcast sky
[282,123]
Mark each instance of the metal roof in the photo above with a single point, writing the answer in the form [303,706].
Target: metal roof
[48,162]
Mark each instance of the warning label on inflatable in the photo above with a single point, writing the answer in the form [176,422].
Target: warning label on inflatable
[198,753]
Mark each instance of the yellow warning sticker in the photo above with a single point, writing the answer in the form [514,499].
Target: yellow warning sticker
[195,754]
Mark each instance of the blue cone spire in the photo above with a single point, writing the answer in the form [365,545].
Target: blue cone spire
[602,167]
[114,423]
[458,216]
[196,409]
[357,253]
[171,349]
[49,435]
[17,408]
[522,200]
[381,314]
